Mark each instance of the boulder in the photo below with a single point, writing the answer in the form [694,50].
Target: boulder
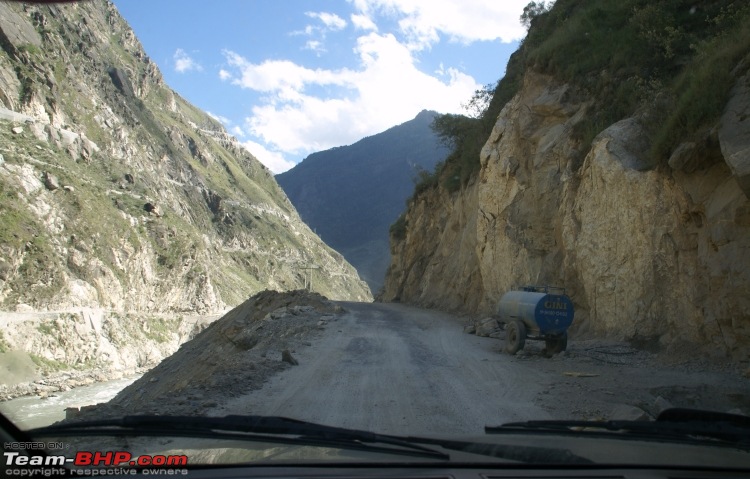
[246,340]
[626,142]
[287,357]
[50,181]
[486,327]
[11,115]
[152,209]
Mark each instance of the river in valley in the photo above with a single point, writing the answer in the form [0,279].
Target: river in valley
[33,411]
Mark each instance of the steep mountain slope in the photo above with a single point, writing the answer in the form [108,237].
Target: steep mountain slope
[616,169]
[352,194]
[118,195]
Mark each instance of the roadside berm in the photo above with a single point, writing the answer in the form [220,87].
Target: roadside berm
[234,355]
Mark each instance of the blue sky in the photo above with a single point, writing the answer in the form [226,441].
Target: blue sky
[291,77]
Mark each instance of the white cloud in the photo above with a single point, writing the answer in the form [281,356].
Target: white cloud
[274,160]
[225,75]
[315,45]
[304,109]
[363,22]
[237,131]
[280,76]
[332,21]
[386,89]
[184,63]
[466,21]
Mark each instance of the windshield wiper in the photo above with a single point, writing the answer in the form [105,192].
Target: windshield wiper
[272,429]
[672,424]
[283,430]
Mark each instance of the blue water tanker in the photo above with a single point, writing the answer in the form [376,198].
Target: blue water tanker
[536,312]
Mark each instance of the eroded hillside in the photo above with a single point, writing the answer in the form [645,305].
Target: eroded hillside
[118,195]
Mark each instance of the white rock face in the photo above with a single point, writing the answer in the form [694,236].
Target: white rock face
[646,253]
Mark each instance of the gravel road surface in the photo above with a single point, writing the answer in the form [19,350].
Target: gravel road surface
[395,369]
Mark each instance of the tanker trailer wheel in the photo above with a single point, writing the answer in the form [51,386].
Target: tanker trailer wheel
[515,337]
[556,344]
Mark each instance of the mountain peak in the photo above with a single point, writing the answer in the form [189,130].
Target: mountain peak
[352,194]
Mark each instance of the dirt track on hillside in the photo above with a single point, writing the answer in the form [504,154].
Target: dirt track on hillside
[396,369]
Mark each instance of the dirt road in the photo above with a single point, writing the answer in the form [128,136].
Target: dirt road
[391,368]
[396,369]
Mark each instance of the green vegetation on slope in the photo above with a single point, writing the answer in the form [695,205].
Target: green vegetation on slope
[625,54]
[673,60]
[153,205]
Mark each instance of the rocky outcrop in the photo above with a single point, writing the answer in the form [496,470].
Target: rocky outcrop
[648,253]
[436,264]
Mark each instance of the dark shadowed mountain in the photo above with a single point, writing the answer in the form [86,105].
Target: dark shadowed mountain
[352,194]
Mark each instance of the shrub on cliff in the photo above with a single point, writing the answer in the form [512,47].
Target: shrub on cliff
[625,55]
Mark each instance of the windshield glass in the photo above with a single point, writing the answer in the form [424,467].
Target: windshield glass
[375,231]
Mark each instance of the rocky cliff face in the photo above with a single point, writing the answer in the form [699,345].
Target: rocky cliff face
[650,254]
[118,195]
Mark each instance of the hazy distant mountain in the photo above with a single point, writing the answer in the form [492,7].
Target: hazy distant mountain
[352,194]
